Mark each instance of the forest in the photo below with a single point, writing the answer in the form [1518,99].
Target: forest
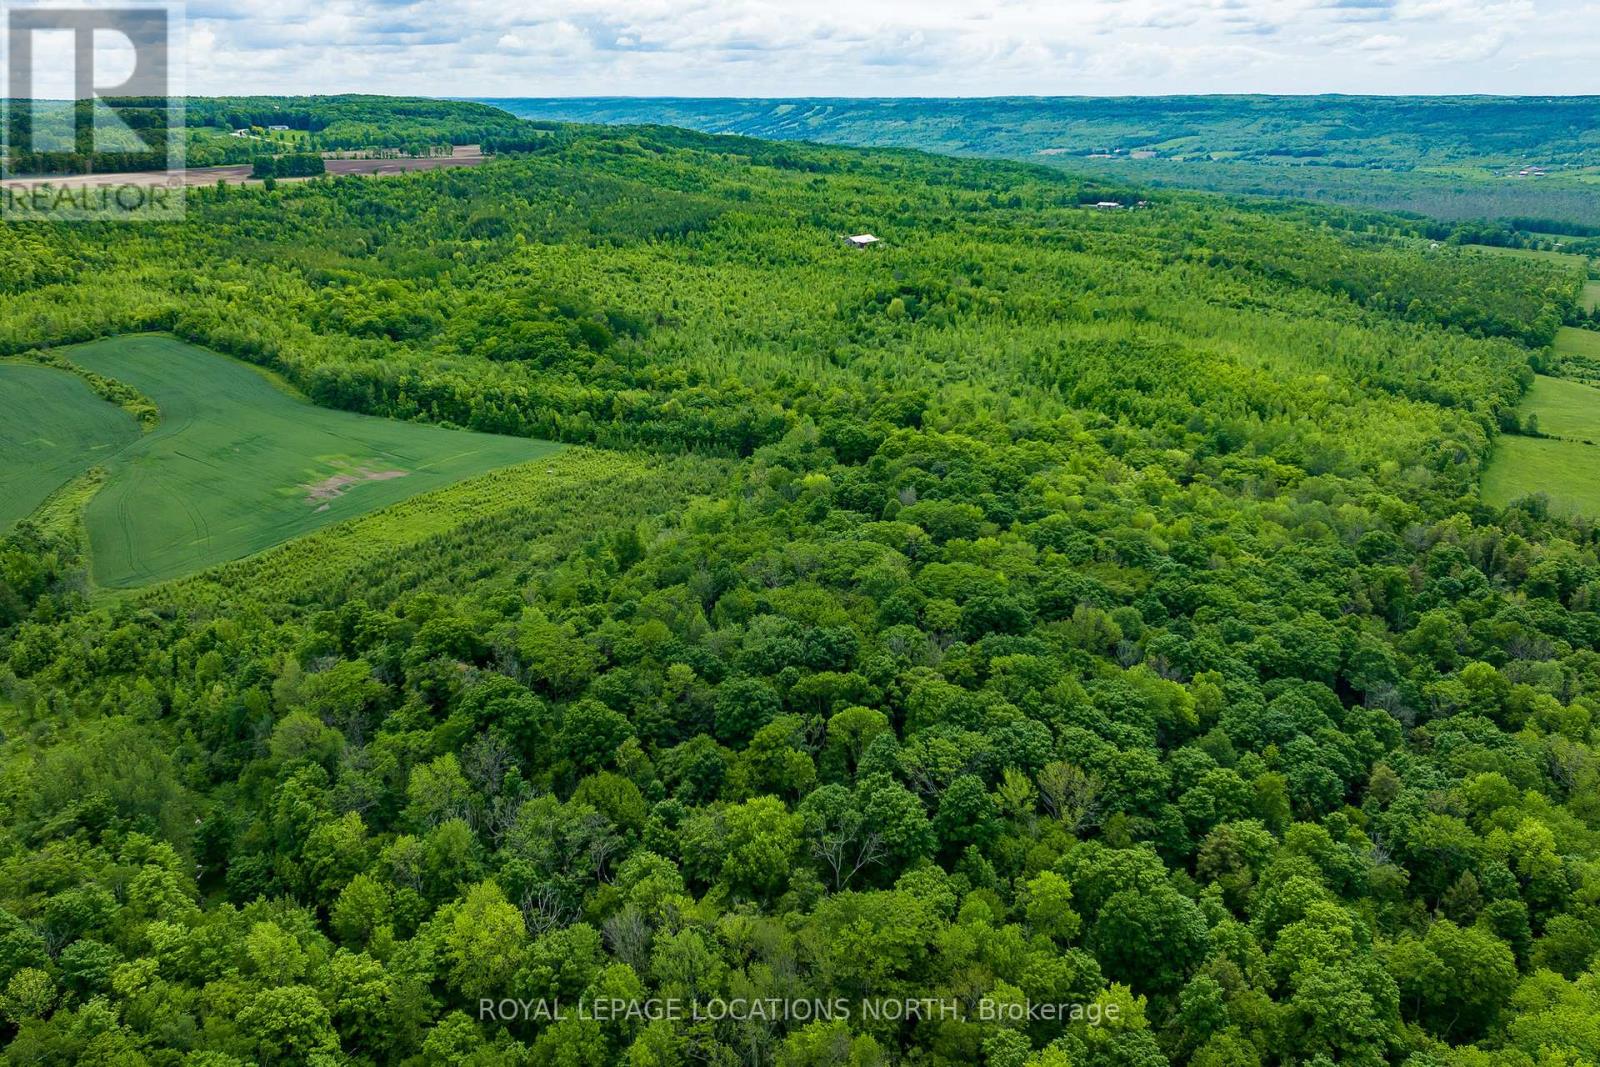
[1047,607]
[355,121]
[147,131]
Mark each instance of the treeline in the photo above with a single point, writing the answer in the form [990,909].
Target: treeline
[334,123]
[104,135]
[44,164]
[289,165]
[533,141]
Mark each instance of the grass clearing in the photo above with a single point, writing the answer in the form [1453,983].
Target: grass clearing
[1568,472]
[1569,259]
[62,512]
[1584,344]
[238,465]
[1565,466]
[1565,408]
[533,514]
[1591,295]
[52,428]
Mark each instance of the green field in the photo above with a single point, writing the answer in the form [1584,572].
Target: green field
[1568,259]
[1591,295]
[52,428]
[238,464]
[1571,341]
[1566,470]
[1577,354]
[1565,408]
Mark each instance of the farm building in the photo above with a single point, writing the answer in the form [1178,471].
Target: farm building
[863,240]
[1108,205]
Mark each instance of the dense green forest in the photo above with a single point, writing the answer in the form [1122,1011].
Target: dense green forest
[138,138]
[349,122]
[73,137]
[1048,606]
[291,165]
[1445,157]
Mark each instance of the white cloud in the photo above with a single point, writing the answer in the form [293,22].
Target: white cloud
[891,47]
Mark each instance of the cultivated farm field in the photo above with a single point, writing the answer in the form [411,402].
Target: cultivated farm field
[238,464]
[52,428]
[522,518]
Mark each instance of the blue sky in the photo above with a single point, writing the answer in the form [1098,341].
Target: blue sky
[893,47]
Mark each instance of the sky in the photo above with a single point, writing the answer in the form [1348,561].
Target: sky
[891,47]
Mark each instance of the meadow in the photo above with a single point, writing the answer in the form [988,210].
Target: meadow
[1560,458]
[1576,354]
[521,517]
[1564,464]
[1565,408]
[1567,472]
[52,427]
[238,464]
[1583,344]
[1565,259]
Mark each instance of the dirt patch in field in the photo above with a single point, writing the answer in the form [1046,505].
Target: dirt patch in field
[462,156]
[335,486]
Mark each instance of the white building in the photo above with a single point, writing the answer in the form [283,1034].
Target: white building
[863,240]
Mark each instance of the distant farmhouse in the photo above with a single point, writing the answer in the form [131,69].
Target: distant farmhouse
[862,240]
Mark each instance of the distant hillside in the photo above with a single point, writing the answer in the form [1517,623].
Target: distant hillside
[414,125]
[358,121]
[1452,157]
